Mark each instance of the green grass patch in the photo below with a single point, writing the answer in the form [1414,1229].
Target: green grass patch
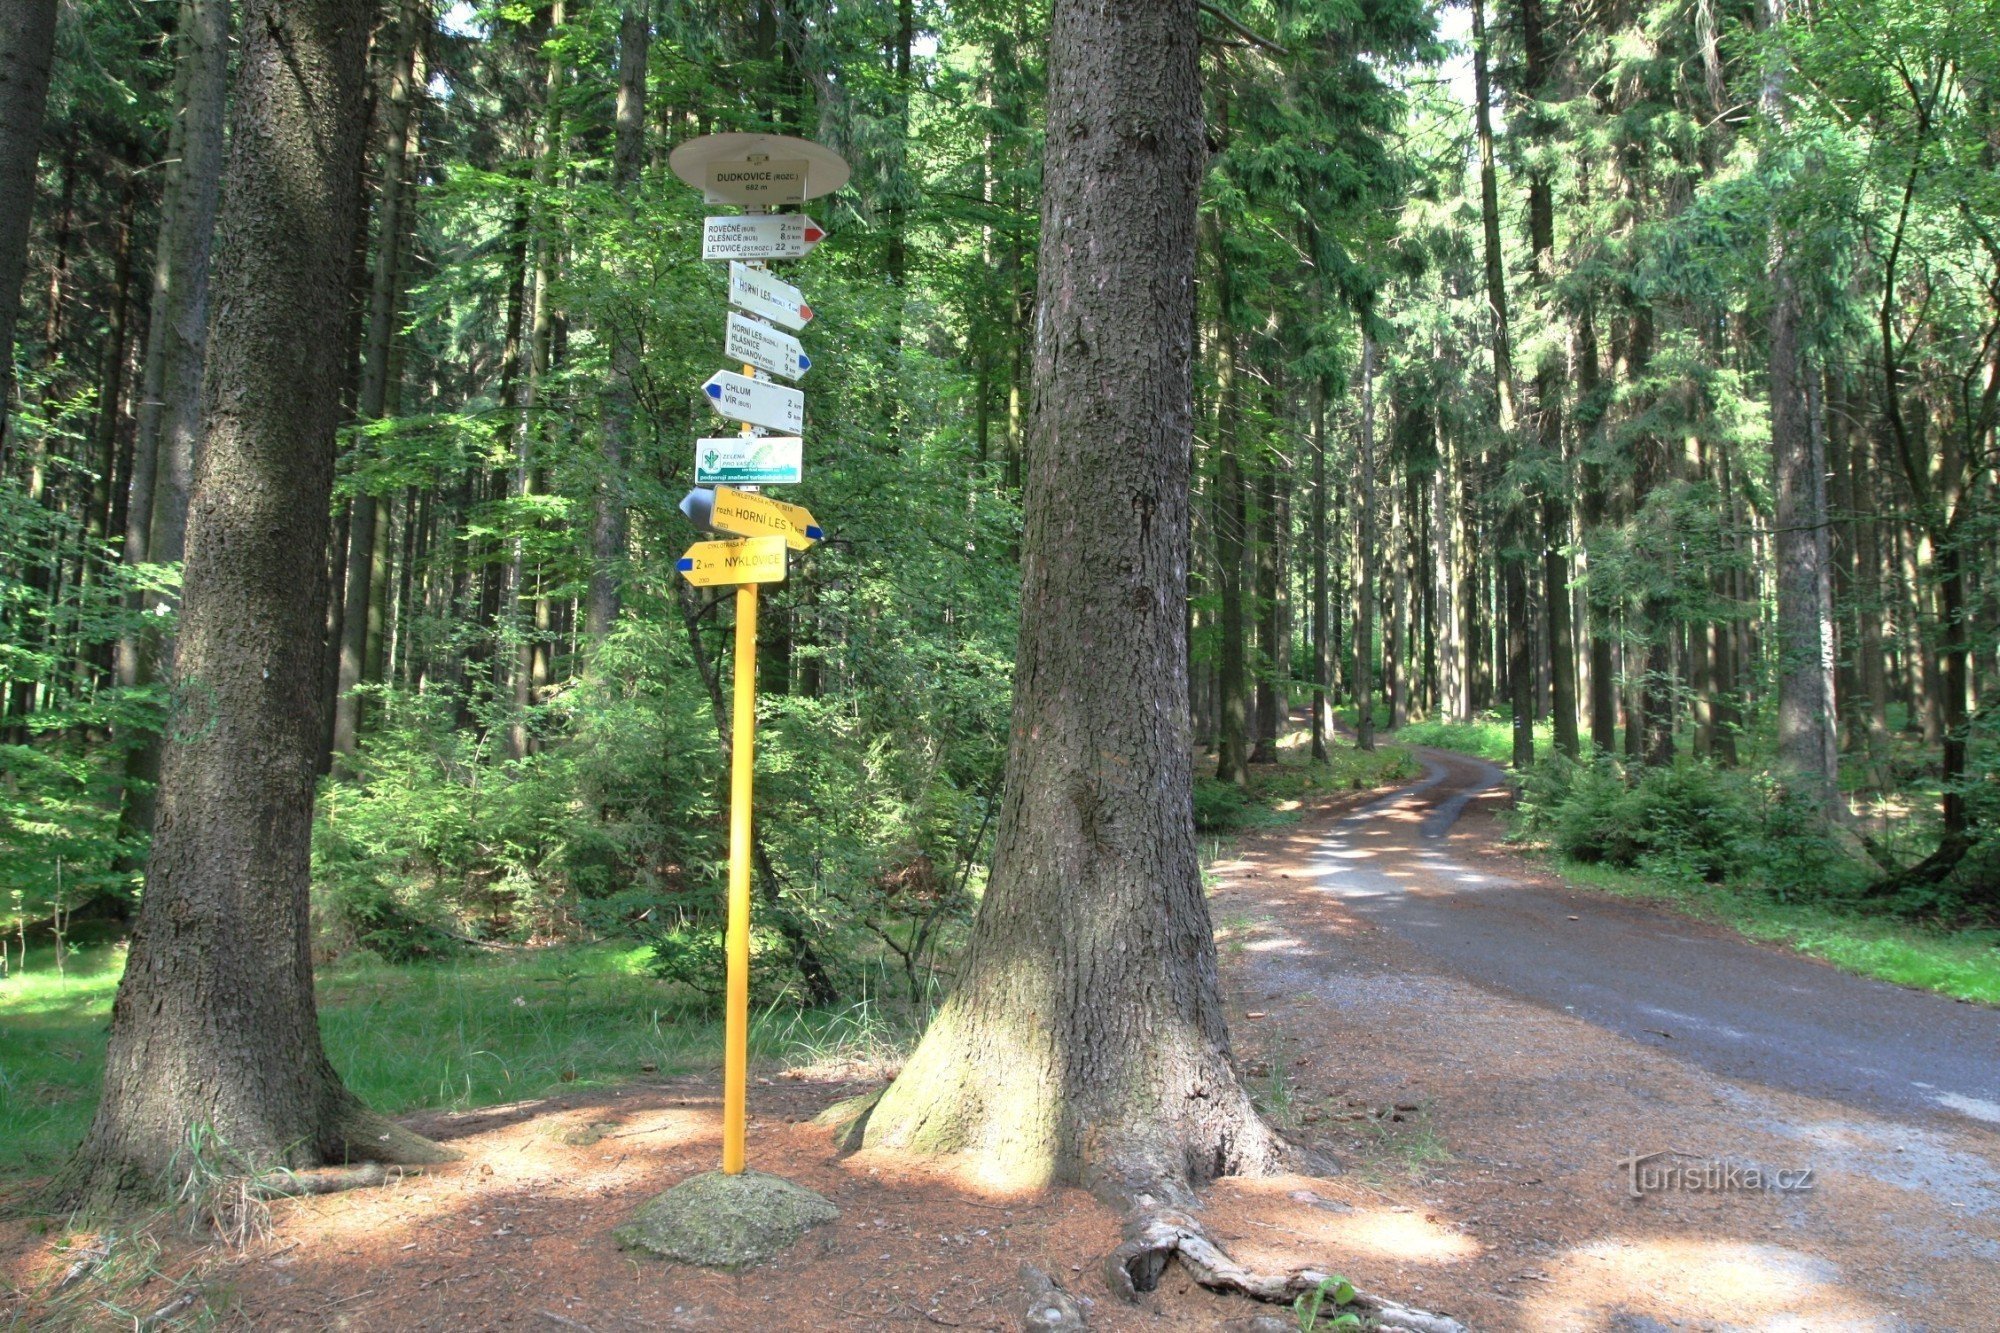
[1490,736]
[460,1033]
[1964,964]
[1276,794]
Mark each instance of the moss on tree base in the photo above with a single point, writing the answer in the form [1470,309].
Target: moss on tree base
[719,1221]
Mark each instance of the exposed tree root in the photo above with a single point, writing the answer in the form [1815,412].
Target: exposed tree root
[1155,1237]
[1043,1305]
[330,1180]
[848,1119]
[369,1137]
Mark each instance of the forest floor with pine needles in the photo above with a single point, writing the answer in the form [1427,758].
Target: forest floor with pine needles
[1478,1138]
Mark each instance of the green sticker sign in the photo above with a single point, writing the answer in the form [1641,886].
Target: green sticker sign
[749,460]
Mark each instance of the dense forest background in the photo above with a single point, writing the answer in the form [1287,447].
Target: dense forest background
[1627,373]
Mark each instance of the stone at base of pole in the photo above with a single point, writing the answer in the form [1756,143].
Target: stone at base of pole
[720,1221]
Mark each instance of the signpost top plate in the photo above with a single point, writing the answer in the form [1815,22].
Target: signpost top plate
[726,168]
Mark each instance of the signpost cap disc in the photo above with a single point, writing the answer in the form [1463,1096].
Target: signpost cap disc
[826,170]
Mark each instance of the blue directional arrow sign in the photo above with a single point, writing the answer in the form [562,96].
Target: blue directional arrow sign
[758,402]
[764,347]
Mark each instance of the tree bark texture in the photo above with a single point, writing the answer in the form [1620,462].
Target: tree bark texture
[1086,1041]
[215,1027]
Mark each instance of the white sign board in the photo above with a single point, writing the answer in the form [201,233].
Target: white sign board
[759,402]
[749,460]
[764,347]
[764,182]
[758,292]
[758,168]
[760,236]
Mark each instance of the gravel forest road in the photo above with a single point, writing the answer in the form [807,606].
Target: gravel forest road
[1737,1008]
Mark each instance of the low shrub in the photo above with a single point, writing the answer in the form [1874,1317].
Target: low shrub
[1689,821]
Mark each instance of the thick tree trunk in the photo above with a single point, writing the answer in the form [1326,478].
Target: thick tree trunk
[215,1028]
[1806,706]
[607,526]
[27,45]
[1086,1040]
[1805,614]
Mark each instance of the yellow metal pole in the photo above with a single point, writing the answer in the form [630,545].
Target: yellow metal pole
[743,739]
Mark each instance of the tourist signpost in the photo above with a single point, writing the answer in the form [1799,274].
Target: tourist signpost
[756,291]
[758,344]
[760,236]
[757,171]
[749,515]
[758,402]
[749,460]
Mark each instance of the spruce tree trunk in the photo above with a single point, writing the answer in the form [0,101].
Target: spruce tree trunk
[1364,558]
[1269,653]
[1603,702]
[167,426]
[1086,1040]
[1511,535]
[367,533]
[1322,700]
[1548,401]
[27,46]
[1805,605]
[215,1026]
[607,527]
[1232,522]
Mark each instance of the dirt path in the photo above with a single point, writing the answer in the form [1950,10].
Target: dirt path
[1703,994]
[1480,1135]
[1525,1109]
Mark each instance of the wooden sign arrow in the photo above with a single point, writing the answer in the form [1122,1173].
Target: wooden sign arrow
[749,560]
[746,339]
[758,292]
[758,516]
[760,236]
[759,402]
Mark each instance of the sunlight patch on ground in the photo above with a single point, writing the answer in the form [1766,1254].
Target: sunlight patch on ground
[1283,1225]
[965,1173]
[1731,1283]
[514,1166]
[1274,944]
[1976,1107]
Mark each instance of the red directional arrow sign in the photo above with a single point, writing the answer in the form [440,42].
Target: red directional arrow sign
[760,236]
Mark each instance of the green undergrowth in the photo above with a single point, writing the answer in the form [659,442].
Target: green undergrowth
[1964,964]
[1489,737]
[1277,793]
[465,1032]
